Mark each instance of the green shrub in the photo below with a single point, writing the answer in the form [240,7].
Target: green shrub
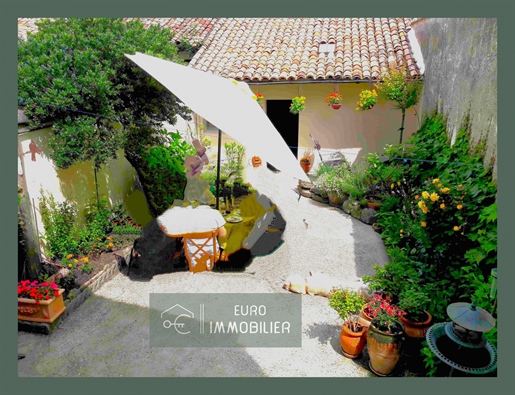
[61,231]
[439,220]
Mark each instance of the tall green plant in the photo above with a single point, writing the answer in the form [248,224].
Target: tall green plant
[398,88]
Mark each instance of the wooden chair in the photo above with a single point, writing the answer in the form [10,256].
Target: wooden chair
[201,250]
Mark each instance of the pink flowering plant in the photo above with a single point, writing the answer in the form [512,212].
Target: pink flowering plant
[385,315]
[37,290]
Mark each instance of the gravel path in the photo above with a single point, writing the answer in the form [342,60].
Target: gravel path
[111,326]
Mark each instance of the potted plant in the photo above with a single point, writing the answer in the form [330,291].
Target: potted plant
[297,104]
[348,303]
[256,161]
[307,160]
[319,190]
[367,100]
[259,98]
[384,335]
[417,320]
[334,100]
[39,301]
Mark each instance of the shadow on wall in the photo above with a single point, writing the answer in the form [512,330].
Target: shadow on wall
[117,183]
[369,249]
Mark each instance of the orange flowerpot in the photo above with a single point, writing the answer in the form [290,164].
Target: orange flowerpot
[352,343]
[256,161]
[364,319]
[384,349]
[306,165]
[416,329]
[45,311]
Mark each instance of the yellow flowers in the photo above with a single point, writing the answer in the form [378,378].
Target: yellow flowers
[442,206]
[70,265]
[425,195]
[446,190]
[401,233]
[425,210]
[69,256]
[456,228]
[436,181]
[434,197]
[459,206]
[398,183]
[76,261]
[423,224]
[110,245]
[392,186]
[85,259]
[297,104]
[421,204]
[367,100]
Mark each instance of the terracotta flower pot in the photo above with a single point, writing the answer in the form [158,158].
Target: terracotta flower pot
[364,319]
[256,161]
[306,165]
[352,343]
[334,200]
[45,311]
[336,106]
[416,329]
[373,205]
[384,349]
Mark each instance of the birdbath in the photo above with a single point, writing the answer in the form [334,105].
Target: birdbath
[461,343]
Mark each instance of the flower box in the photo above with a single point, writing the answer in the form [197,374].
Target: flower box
[41,310]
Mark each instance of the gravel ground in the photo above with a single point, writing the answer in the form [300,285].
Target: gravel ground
[108,335]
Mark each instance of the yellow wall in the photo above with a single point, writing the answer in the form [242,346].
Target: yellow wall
[346,128]
[116,180]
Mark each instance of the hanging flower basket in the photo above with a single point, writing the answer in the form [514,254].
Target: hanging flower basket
[259,98]
[334,100]
[367,100]
[297,104]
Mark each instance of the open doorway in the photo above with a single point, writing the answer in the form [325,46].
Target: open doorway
[286,123]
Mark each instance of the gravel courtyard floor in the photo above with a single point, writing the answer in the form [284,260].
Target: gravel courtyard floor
[108,336]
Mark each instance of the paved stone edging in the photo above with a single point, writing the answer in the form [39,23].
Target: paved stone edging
[76,297]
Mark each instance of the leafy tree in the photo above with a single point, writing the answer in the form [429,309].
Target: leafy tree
[402,91]
[73,72]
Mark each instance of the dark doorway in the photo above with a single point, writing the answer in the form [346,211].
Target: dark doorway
[285,122]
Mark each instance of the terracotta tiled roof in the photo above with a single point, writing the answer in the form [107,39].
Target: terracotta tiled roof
[272,49]
[194,29]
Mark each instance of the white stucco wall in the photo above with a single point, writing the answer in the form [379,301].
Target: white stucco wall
[76,184]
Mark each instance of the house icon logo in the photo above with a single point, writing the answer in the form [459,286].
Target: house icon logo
[180,321]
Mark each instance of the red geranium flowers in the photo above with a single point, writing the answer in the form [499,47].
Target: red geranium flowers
[37,290]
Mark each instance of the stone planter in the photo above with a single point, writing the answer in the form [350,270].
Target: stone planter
[46,311]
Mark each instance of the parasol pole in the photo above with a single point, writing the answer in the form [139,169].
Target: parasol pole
[218,169]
